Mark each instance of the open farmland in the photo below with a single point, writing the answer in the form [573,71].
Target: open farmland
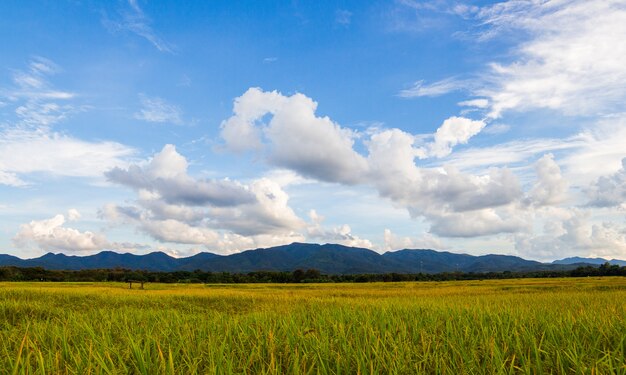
[510,326]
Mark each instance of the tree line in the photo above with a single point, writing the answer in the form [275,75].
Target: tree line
[297,276]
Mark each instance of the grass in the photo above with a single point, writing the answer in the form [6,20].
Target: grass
[565,326]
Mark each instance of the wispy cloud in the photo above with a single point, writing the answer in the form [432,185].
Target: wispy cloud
[26,151]
[438,88]
[571,60]
[28,143]
[133,19]
[155,109]
[36,102]
[343,17]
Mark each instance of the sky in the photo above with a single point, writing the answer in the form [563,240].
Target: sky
[467,126]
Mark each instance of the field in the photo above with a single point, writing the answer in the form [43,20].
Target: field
[480,327]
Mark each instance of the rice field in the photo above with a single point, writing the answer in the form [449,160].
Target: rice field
[529,326]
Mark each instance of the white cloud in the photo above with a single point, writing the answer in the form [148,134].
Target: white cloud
[609,191]
[36,103]
[511,153]
[573,234]
[29,145]
[287,129]
[424,190]
[11,179]
[600,151]
[341,234]
[51,234]
[551,188]
[480,222]
[294,137]
[477,103]
[438,88]
[166,175]
[453,131]
[177,230]
[393,242]
[156,109]
[24,152]
[219,214]
[73,214]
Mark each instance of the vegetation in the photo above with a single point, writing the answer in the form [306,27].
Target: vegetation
[297,276]
[574,325]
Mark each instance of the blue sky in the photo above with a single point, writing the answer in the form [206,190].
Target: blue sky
[478,127]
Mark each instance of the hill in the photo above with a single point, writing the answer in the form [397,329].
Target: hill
[328,259]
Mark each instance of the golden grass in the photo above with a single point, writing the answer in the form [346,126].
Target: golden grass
[477,327]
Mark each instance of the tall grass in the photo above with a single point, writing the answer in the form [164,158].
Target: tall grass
[563,326]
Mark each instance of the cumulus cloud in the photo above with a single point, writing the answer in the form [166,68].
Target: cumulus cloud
[51,234]
[287,130]
[482,222]
[550,188]
[609,191]
[194,231]
[155,109]
[166,175]
[290,135]
[432,190]
[341,234]
[573,233]
[394,242]
[222,215]
[453,131]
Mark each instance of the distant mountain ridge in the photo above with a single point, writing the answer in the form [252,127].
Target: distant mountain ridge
[328,259]
[597,261]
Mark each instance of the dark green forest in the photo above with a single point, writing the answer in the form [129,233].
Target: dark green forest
[297,276]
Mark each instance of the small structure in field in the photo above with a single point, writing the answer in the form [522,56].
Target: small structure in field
[130,283]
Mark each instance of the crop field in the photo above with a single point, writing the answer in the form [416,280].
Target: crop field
[530,326]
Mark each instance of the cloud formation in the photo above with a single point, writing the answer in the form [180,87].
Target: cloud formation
[609,191]
[572,60]
[155,109]
[35,101]
[222,215]
[551,188]
[434,89]
[30,145]
[23,152]
[166,176]
[293,137]
[341,234]
[287,131]
[52,234]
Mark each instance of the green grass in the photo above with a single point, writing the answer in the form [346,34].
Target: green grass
[566,326]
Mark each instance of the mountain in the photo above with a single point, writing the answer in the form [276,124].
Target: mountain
[328,259]
[431,261]
[597,261]
[10,260]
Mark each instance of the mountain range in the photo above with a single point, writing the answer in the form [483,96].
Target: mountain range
[328,259]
